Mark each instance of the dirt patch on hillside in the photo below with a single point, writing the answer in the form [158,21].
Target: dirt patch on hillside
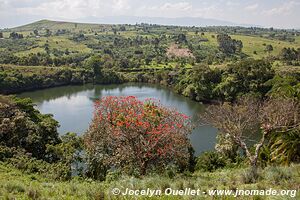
[175,51]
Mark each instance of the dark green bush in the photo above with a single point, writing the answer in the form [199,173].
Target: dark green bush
[210,161]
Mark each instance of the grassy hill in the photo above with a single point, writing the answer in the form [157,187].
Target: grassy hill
[253,45]
[56,25]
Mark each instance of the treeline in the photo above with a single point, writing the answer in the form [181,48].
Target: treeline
[201,82]
[44,59]
[248,77]
[15,79]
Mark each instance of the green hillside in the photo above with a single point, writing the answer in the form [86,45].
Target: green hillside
[56,25]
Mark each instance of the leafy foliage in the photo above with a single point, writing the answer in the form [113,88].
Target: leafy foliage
[210,161]
[228,45]
[137,136]
[24,127]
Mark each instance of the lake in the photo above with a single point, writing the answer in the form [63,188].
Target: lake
[72,106]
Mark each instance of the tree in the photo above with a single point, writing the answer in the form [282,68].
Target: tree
[246,76]
[287,86]
[47,49]
[36,32]
[1,35]
[236,122]
[228,45]
[95,63]
[288,54]
[204,78]
[48,33]
[22,126]
[269,48]
[122,28]
[181,38]
[241,122]
[133,135]
[14,35]
[280,120]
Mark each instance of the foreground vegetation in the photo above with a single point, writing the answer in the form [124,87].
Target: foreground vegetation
[252,73]
[41,164]
[16,184]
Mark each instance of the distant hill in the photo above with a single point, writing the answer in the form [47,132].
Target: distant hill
[96,23]
[180,21]
[55,25]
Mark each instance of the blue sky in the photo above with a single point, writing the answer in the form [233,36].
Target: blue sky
[268,13]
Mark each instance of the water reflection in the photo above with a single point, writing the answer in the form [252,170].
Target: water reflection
[72,106]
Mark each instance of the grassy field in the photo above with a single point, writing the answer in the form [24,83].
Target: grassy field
[56,42]
[55,25]
[257,44]
[14,184]
[251,43]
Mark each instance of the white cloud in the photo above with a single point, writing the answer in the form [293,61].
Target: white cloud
[232,3]
[181,6]
[66,9]
[281,13]
[179,9]
[284,9]
[121,5]
[251,7]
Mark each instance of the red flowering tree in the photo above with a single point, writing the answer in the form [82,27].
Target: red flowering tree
[130,134]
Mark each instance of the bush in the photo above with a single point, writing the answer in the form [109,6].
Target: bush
[210,161]
[54,171]
[249,176]
[277,174]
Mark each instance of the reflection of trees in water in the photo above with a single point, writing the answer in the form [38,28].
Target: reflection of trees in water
[94,92]
[39,96]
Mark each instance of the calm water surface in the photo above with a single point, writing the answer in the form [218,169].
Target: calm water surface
[72,106]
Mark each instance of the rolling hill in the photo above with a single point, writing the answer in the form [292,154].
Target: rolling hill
[55,25]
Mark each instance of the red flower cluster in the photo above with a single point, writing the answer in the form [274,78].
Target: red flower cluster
[143,130]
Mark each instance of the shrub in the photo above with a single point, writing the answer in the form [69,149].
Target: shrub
[210,161]
[277,174]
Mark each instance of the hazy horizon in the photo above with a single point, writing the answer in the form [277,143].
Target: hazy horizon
[268,13]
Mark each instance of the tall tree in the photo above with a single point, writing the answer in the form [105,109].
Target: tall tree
[241,122]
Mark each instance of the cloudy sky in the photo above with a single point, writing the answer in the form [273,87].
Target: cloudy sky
[268,13]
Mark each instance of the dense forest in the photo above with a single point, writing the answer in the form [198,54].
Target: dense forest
[249,79]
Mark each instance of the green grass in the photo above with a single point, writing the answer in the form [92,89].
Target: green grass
[154,65]
[252,43]
[15,184]
[56,42]
[55,25]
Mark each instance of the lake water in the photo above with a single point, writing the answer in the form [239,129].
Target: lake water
[72,106]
